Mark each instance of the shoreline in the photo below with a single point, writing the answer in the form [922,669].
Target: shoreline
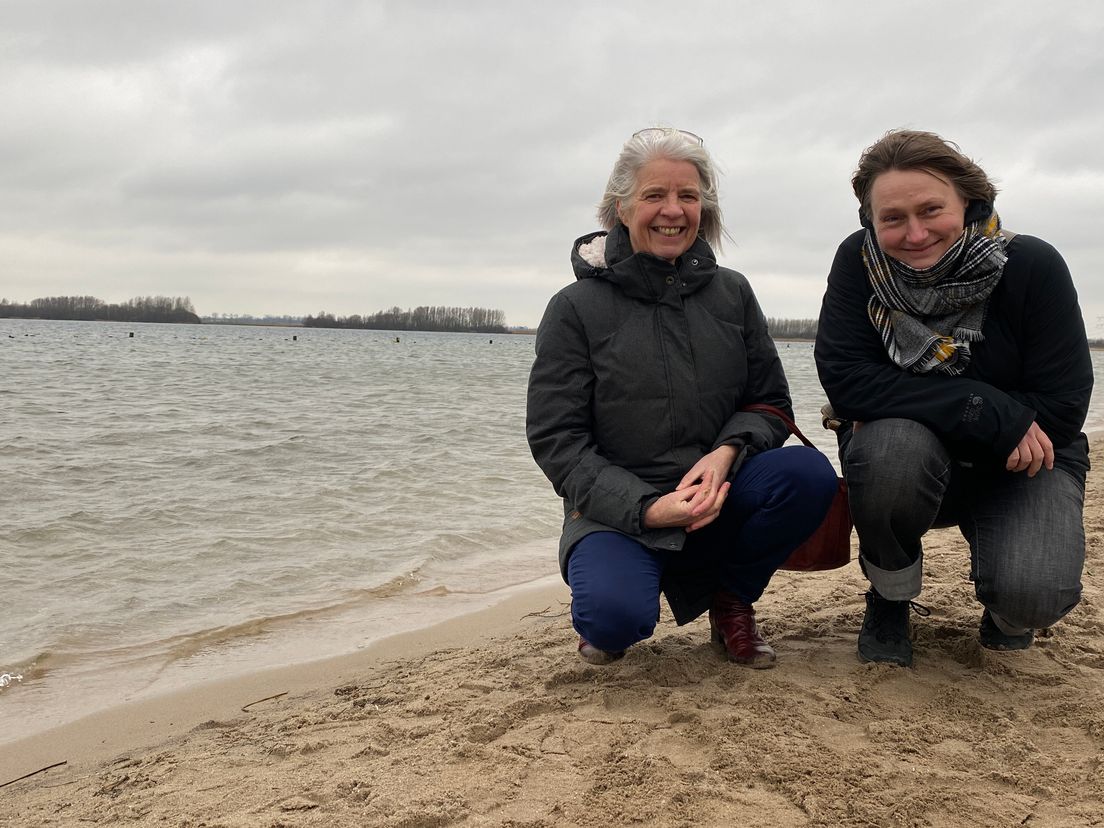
[42,702]
[56,684]
[490,719]
[140,723]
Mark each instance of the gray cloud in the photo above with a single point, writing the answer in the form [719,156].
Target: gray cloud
[282,157]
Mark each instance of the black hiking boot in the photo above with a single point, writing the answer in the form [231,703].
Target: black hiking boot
[884,636]
[991,636]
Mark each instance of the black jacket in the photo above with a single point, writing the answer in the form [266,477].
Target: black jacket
[1033,363]
[641,367]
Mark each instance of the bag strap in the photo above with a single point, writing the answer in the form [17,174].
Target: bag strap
[766,408]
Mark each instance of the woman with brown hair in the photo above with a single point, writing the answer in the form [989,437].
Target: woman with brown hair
[956,355]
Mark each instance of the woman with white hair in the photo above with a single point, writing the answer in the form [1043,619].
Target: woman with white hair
[642,367]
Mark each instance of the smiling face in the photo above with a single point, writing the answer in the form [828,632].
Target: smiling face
[917,215]
[664,213]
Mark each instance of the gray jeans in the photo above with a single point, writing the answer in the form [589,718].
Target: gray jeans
[1026,534]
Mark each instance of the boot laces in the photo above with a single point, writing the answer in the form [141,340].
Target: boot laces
[888,620]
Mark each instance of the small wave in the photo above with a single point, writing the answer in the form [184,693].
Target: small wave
[464,544]
[59,527]
[173,649]
[396,586]
[294,442]
[399,585]
[32,669]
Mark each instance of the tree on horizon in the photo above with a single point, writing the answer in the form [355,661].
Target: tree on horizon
[423,318]
[90,309]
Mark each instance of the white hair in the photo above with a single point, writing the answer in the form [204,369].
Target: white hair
[672,145]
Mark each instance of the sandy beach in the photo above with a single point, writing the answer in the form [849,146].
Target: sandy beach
[494,721]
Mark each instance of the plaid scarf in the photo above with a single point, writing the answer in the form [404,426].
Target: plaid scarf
[928,318]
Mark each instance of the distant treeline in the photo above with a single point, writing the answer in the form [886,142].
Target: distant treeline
[792,328]
[249,319]
[89,308]
[440,318]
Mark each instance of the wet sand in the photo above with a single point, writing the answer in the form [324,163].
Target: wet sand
[492,720]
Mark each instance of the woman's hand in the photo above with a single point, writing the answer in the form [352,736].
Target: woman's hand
[1034,451]
[692,506]
[717,464]
[719,461]
[699,496]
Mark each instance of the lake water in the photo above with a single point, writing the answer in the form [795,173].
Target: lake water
[194,502]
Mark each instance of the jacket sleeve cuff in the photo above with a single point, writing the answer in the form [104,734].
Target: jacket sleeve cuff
[1010,438]
[616,498]
[754,431]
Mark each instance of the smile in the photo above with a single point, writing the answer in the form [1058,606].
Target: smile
[668,231]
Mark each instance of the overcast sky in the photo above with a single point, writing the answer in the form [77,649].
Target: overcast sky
[291,157]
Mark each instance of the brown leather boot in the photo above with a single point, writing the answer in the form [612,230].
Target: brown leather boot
[732,623]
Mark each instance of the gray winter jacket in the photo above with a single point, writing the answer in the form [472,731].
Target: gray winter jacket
[641,369]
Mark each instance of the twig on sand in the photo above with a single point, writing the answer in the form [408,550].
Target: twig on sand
[266,698]
[34,773]
[546,613]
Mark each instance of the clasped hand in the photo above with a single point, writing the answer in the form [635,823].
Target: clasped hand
[1034,451]
[699,496]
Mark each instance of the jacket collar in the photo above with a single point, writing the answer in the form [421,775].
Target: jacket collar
[610,256]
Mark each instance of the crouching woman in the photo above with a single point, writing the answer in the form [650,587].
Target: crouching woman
[958,353]
[642,367]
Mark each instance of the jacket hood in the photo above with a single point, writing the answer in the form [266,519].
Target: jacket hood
[609,256]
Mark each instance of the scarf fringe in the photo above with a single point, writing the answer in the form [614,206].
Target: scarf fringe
[967,335]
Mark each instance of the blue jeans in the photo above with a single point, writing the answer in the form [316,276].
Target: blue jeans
[777,499]
[1026,534]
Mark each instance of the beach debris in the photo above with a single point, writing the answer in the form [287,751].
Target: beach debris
[547,612]
[297,803]
[266,698]
[34,773]
[8,678]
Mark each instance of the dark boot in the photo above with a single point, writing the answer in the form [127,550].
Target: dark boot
[884,636]
[732,624]
[992,637]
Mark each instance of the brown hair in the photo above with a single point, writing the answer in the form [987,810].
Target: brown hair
[910,149]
